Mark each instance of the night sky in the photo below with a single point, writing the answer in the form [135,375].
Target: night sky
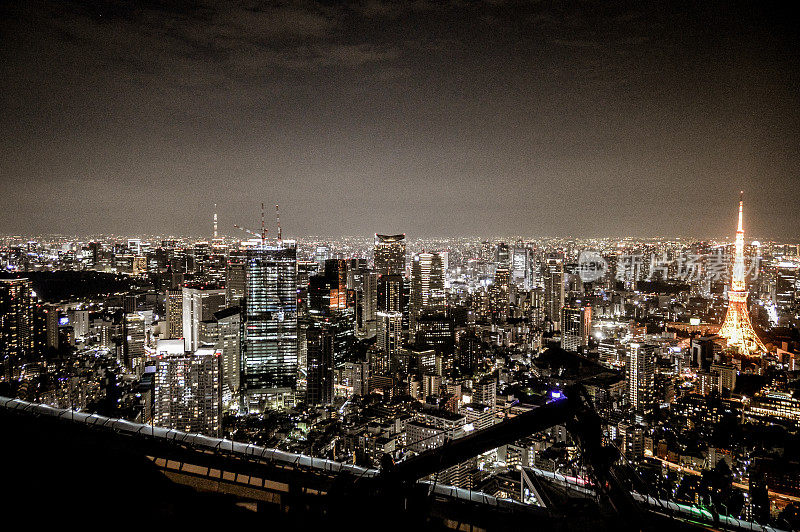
[453,118]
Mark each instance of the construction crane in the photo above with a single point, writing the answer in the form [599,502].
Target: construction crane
[263,235]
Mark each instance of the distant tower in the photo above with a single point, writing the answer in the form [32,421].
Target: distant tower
[216,233]
[737,328]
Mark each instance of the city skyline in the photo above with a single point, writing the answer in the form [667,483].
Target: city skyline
[235,233]
[401,264]
[531,119]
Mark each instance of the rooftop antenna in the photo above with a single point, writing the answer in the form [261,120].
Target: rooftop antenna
[215,221]
[278,217]
[263,227]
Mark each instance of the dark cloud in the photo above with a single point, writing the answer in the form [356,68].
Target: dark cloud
[501,117]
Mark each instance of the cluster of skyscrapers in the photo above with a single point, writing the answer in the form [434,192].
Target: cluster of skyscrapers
[411,344]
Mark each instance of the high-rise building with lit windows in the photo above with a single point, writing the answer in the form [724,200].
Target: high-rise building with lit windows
[576,324]
[269,341]
[389,332]
[133,331]
[16,325]
[367,305]
[554,289]
[427,284]
[319,365]
[235,277]
[174,313]
[199,305]
[229,344]
[188,392]
[390,254]
[641,375]
[785,285]
[520,268]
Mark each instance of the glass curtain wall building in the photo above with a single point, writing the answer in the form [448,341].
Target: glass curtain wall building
[269,328]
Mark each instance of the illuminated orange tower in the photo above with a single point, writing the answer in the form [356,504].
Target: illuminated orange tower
[737,328]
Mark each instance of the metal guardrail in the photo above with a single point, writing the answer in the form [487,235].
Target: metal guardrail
[244,450]
[660,505]
[198,441]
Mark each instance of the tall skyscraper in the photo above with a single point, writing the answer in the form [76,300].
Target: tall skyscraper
[235,277]
[576,324]
[16,325]
[554,289]
[336,271]
[51,325]
[737,328]
[390,293]
[327,293]
[521,268]
[319,364]
[499,293]
[786,285]
[390,332]
[269,348]
[229,344]
[368,305]
[174,313]
[427,284]
[133,331]
[640,370]
[502,255]
[199,304]
[390,254]
[188,392]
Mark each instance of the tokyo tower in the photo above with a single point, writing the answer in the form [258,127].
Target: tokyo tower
[737,328]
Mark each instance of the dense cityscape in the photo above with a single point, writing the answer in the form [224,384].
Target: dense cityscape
[360,348]
[400,265]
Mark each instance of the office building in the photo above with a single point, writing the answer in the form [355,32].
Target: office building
[785,285]
[356,376]
[427,284]
[502,256]
[319,365]
[199,304]
[235,278]
[133,331]
[554,289]
[389,332]
[367,307]
[521,274]
[641,373]
[269,347]
[229,345]
[173,314]
[576,324]
[390,254]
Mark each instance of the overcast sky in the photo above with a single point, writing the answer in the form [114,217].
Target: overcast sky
[429,118]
